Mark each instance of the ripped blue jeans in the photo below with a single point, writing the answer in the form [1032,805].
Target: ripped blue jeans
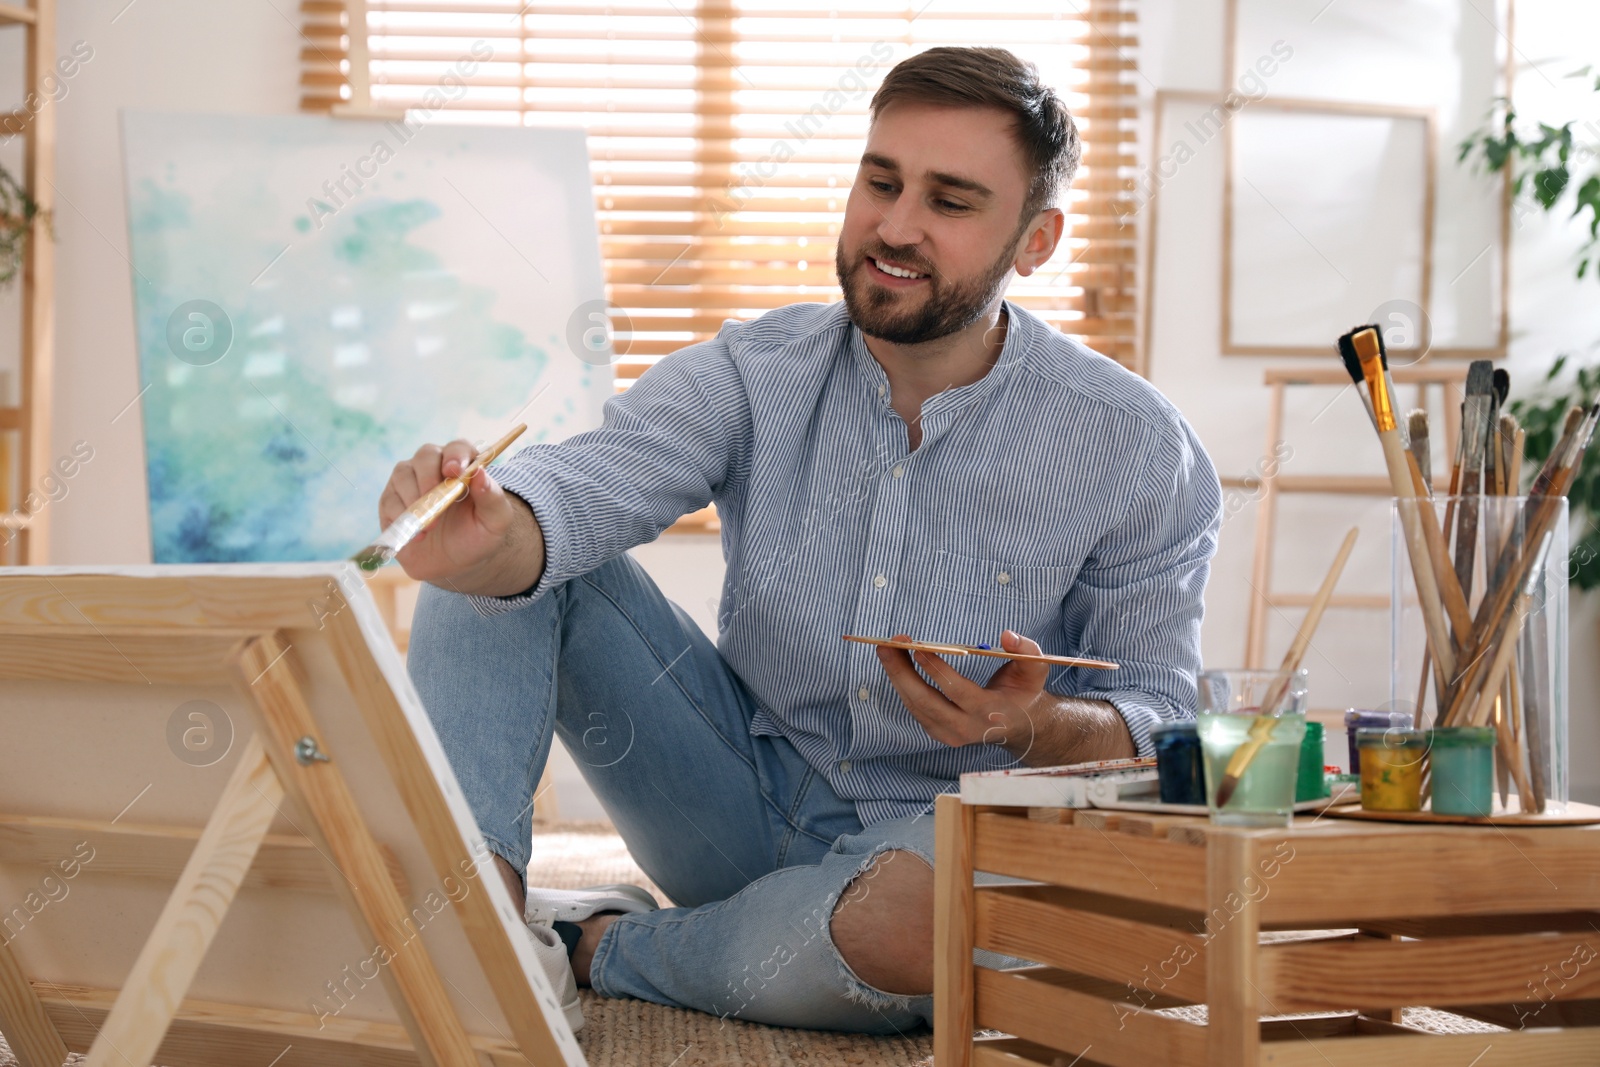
[739,831]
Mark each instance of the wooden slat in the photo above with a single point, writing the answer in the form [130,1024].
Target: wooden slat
[1458,970]
[1029,923]
[17,15]
[208,1033]
[117,604]
[1015,1052]
[416,992]
[1565,1048]
[1233,1031]
[26,1025]
[1159,872]
[1467,870]
[118,656]
[176,947]
[285,861]
[953,910]
[1076,1015]
[489,918]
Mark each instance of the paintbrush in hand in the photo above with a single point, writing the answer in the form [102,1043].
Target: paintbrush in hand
[1261,729]
[429,506]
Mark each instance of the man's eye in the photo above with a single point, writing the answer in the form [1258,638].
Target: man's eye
[950,205]
[882,187]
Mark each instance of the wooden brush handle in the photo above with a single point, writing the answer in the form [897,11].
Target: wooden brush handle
[1422,566]
[1261,729]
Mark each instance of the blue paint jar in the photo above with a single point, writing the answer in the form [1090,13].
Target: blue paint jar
[1463,770]
[1178,763]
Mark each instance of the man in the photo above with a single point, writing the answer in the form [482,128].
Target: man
[923,459]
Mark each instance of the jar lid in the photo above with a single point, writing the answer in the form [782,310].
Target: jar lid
[1393,737]
[1175,729]
[1359,717]
[1462,737]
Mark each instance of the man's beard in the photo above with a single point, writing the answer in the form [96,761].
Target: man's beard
[946,308]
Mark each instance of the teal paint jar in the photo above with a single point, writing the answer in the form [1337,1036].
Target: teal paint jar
[1463,770]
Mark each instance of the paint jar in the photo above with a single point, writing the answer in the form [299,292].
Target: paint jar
[1391,769]
[1463,770]
[1178,762]
[1230,716]
[1308,781]
[1366,719]
[1498,538]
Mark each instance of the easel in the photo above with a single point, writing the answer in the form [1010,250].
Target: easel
[332,727]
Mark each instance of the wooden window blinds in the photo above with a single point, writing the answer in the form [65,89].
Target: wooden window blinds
[724,134]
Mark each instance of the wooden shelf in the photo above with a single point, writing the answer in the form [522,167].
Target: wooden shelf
[14,14]
[1340,484]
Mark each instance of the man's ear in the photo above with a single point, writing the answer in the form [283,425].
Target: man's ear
[1040,239]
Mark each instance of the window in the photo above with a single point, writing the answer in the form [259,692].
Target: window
[724,134]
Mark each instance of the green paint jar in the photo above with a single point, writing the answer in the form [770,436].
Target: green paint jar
[1463,770]
[1308,782]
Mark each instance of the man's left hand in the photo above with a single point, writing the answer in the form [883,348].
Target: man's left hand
[1009,711]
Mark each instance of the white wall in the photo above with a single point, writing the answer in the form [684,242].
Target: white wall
[242,57]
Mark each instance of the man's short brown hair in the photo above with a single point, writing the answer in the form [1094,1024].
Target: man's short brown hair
[994,77]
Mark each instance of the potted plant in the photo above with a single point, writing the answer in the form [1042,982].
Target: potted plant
[1552,168]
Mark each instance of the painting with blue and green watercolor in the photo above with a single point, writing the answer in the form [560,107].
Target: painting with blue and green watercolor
[316,297]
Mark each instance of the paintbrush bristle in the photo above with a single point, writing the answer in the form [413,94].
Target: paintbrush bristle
[1480,378]
[1352,362]
[1502,385]
[1417,424]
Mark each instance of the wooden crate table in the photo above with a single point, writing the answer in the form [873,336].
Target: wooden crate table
[1135,913]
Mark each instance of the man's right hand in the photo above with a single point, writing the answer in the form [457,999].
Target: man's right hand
[487,543]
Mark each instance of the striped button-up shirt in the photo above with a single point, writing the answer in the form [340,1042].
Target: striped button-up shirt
[1059,496]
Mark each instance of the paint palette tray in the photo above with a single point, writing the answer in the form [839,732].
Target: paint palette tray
[1574,814]
[1302,945]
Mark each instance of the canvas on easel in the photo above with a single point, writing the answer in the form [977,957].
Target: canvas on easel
[228,835]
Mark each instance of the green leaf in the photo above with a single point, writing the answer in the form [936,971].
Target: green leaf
[1548,185]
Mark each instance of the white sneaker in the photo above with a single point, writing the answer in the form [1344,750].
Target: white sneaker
[576,905]
[552,954]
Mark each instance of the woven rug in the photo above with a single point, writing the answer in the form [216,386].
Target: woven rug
[627,1033]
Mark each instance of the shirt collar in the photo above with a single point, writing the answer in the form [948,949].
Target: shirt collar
[1012,354]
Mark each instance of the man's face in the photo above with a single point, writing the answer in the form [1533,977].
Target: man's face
[938,197]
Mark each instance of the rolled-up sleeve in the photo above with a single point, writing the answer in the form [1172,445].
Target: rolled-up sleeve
[667,446]
[1138,599]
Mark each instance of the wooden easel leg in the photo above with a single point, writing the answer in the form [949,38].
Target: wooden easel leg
[172,954]
[317,786]
[1233,1019]
[1387,1014]
[31,1035]
[953,916]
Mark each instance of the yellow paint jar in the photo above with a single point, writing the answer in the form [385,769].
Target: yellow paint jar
[1391,768]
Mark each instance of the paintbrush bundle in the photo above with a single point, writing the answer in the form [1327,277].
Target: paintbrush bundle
[1481,558]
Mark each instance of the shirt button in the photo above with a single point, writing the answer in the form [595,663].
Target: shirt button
[1003,578]
[864,694]
[844,766]
[899,469]
[880,581]
[882,389]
